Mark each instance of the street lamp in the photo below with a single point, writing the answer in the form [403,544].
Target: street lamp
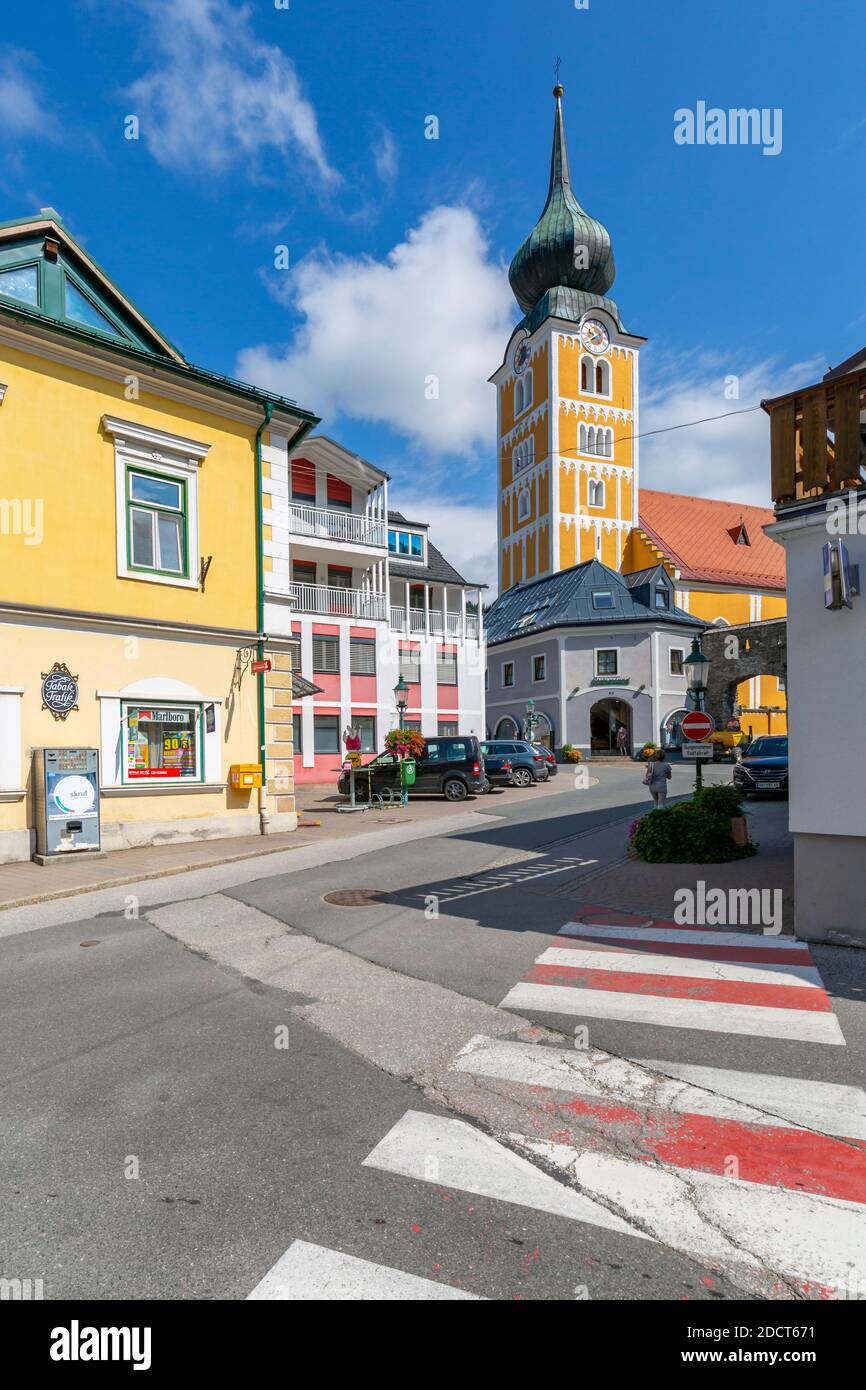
[696,666]
[401,690]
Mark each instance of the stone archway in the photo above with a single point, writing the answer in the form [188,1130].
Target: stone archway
[761,650]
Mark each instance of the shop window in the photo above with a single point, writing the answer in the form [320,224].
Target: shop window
[162,743]
[366,726]
[326,733]
[156,522]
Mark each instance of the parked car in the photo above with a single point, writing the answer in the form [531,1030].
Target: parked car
[549,757]
[527,764]
[763,766]
[452,766]
[497,767]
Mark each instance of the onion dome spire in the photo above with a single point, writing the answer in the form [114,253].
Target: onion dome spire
[566,247]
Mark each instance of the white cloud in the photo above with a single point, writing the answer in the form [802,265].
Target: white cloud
[387,158]
[216,95]
[726,458]
[463,530]
[24,109]
[376,332]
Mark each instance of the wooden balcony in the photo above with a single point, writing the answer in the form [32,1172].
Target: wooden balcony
[817,438]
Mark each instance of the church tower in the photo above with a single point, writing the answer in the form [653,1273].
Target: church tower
[567,396]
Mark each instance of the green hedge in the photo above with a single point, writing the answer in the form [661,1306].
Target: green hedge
[694,832]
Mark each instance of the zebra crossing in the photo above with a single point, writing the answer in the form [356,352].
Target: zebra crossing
[759,1175]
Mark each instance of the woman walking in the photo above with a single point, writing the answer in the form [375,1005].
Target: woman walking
[658,774]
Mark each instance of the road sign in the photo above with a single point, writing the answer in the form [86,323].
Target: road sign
[696,725]
[258,666]
[698,752]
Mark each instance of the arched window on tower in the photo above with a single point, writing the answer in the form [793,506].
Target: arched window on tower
[518,396]
[596,492]
[523,505]
[602,378]
[590,440]
[607,444]
[527,391]
[530,451]
[586,375]
[582,439]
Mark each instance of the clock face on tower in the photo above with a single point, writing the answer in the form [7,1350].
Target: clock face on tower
[521,356]
[594,336]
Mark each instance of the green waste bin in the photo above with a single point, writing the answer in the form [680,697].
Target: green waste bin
[408,767]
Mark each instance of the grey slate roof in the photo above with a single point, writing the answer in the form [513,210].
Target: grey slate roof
[565,600]
[437,570]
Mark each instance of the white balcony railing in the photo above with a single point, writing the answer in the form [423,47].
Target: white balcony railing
[321,523]
[338,603]
[453,623]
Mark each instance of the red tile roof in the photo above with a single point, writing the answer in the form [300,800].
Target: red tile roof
[699,535]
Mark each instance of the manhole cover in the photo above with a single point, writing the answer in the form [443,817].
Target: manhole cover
[356,897]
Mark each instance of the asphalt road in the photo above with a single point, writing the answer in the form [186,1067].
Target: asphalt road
[155,1142]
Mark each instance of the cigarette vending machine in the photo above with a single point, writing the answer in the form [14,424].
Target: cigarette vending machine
[66,801]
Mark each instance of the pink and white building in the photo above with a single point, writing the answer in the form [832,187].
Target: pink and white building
[367,598]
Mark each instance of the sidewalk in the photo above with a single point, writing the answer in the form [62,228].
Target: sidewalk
[630,885]
[24,883]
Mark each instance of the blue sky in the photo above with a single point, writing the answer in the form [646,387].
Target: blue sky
[263,126]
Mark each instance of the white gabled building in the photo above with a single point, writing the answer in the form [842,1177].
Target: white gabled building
[366,597]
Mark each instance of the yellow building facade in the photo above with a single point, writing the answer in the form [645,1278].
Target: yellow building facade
[568,442]
[129,583]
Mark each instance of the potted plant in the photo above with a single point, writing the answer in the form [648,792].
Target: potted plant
[648,749]
[570,753]
[406,743]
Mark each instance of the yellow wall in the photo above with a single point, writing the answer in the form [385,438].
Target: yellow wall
[108,662]
[538,368]
[52,447]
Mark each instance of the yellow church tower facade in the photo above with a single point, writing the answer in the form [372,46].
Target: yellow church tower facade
[567,396]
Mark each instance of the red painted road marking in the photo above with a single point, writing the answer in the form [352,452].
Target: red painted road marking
[792,1158]
[760,955]
[769,996]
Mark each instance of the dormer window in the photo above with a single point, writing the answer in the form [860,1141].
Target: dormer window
[80,309]
[22,284]
[663,598]
[603,598]
[739,535]
[407,544]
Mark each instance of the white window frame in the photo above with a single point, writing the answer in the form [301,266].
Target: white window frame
[538,656]
[682,652]
[158,690]
[524,504]
[179,460]
[602,674]
[595,490]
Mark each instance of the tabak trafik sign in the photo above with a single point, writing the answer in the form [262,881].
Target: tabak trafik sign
[59,690]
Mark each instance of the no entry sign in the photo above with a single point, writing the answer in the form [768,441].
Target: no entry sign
[697,726]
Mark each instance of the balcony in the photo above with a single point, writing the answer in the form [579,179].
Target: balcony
[447,625]
[817,438]
[327,602]
[350,528]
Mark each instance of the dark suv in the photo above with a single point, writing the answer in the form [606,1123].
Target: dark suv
[528,765]
[453,767]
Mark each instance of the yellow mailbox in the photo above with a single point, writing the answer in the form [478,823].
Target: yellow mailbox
[244,776]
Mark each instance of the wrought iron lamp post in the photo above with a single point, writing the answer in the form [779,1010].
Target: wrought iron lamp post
[695,667]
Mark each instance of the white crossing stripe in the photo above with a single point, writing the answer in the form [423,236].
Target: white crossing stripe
[816,1239]
[313,1273]
[784,1102]
[644,963]
[705,1015]
[454,1154]
[708,937]
[800,1102]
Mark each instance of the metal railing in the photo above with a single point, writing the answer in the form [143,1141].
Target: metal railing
[340,603]
[441,625]
[322,523]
